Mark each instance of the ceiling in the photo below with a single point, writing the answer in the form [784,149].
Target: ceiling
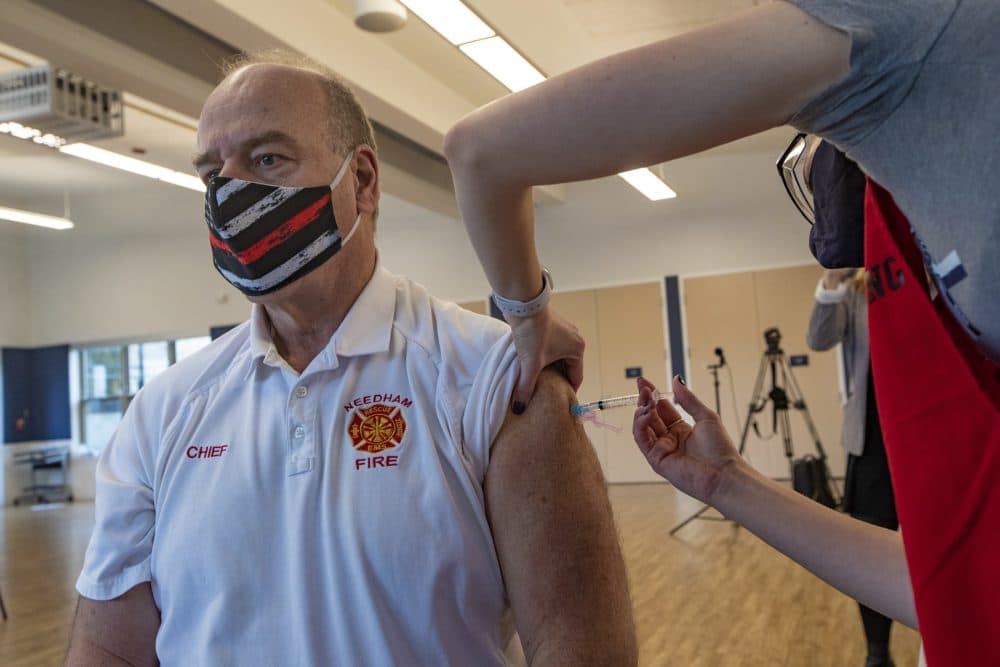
[413,83]
[616,26]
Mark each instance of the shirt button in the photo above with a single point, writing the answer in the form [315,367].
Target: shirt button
[300,432]
[301,392]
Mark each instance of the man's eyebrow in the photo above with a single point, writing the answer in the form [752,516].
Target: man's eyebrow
[201,159]
[272,136]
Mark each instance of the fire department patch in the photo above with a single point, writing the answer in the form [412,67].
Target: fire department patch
[377,428]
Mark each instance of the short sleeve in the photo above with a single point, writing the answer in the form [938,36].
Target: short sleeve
[488,400]
[118,556]
[889,43]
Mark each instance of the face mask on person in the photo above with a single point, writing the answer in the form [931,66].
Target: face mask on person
[266,236]
[837,237]
[828,189]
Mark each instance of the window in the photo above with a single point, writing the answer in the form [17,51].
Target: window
[185,347]
[146,361]
[111,375]
[102,393]
[102,372]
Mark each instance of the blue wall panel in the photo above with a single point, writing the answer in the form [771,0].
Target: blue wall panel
[36,388]
[675,328]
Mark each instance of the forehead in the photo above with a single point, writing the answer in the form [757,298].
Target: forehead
[262,99]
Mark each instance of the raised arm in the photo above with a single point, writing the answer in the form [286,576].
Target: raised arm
[119,632]
[656,103]
[556,539]
[645,106]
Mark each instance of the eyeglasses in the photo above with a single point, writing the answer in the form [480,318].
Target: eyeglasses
[791,168]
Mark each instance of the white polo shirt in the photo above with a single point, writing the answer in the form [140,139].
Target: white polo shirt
[332,517]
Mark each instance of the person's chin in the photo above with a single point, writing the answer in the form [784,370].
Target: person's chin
[279,295]
[313,282]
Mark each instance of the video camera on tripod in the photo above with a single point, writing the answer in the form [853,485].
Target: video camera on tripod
[810,474]
[772,337]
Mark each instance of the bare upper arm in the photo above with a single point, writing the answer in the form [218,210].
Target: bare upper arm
[555,536]
[121,631]
[700,89]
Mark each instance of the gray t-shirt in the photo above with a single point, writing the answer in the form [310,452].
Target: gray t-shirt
[919,111]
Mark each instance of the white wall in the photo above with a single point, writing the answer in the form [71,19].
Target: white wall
[144,271]
[151,276]
[591,242]
[15,306]
[431,249]
[111,289]
[160,282]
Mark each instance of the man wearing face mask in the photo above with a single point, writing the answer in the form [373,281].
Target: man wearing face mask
[336,480]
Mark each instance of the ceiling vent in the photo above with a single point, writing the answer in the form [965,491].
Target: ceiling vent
[59,104]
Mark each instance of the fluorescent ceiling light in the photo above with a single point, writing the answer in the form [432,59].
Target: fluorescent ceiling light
[460,25]
[184,180]
[506,65]
[37,219]
[130,164]
[456,22]
[116,160]
[31,134]
[648,184]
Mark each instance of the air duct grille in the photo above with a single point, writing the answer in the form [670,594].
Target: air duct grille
[58,102]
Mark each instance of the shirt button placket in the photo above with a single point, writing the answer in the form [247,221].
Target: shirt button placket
[300,455]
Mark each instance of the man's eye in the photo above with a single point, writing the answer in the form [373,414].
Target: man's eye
[267,160]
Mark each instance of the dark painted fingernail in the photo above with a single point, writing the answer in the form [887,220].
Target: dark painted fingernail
[518,407]
[681,378]
[646,411]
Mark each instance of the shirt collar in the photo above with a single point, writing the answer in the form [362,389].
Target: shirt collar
[366,329]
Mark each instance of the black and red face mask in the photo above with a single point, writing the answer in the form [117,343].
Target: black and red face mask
[266,236]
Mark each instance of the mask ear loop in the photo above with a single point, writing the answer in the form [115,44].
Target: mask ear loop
[357,222]
[340,172]
[334,184]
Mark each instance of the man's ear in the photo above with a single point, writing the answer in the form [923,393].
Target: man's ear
[367,189]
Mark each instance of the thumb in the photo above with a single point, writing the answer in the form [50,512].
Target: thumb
[691,403]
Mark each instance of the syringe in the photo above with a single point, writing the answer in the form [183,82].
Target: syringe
[613,402]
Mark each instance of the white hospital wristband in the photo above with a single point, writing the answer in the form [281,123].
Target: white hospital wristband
[526,308]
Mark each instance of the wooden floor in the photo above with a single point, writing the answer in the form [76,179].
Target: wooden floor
[40,557]
[716,596]
[713,597]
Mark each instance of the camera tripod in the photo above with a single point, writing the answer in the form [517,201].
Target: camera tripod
[781,399]
[785,393]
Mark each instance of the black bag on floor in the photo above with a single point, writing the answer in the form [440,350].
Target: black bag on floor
[811,478]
